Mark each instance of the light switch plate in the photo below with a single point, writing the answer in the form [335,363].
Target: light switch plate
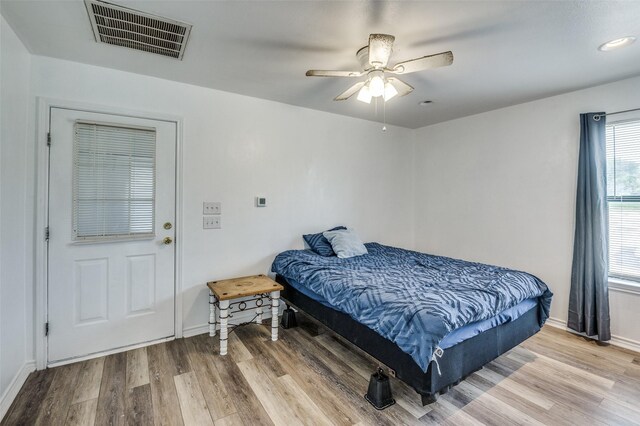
[211,207]
[261,202]
[211,222]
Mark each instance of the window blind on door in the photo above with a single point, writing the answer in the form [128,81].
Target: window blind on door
[113,181]
[623,195]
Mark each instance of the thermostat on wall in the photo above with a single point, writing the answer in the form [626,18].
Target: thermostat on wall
[261,202]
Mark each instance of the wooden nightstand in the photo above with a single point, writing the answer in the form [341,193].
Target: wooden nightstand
[221,293]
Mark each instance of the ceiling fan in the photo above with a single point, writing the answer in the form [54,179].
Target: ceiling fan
[374,59]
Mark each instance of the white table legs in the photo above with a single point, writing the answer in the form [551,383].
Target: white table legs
[259,312]
[223,306]
[212,314]
[224,315]
[275,304]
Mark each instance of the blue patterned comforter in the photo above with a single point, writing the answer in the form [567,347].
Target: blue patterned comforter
[413,299]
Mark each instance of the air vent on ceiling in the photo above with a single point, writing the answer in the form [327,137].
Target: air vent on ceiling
[130,28]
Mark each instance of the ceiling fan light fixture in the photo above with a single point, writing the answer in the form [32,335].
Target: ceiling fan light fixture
[389,91]
[376,84]
[364,95]
[379,82]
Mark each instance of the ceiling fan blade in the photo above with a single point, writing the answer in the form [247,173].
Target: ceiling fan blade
[380,47]
[402,87]
[327,73]
[350,91]
[426,62]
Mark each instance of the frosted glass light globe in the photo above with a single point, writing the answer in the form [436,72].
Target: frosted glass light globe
[376,86]
[389,91]
[364,95]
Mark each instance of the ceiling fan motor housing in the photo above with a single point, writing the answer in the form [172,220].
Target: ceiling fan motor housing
[373,60]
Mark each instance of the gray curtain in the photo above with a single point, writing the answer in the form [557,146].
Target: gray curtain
[589,297]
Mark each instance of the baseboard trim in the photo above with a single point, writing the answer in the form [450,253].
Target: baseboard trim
[557,323]
[14,387]
[619,341]
[195,330]
[625,343]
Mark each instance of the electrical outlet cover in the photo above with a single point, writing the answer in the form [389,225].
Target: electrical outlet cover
[211,222]
[211,207]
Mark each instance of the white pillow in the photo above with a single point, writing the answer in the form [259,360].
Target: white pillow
[345,243]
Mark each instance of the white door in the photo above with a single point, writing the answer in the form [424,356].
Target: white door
[111,224]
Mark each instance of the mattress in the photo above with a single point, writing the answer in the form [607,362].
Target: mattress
[413,299]
[456,336]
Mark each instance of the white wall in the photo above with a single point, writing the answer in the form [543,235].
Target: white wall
[500,188]
[16,218]
[316,169]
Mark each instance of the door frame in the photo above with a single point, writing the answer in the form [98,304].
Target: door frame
[43,114]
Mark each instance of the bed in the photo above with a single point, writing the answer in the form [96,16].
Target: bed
[432,320]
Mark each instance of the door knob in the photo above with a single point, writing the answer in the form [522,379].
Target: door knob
[167,240]
[167,225]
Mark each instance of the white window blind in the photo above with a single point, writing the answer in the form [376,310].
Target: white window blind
[113,182]
[623,194]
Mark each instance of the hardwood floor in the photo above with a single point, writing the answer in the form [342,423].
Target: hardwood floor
[311,376]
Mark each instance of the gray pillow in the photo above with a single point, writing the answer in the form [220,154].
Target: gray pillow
[319,244]
[345,243]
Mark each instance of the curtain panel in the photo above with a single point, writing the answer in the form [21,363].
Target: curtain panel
[589,296]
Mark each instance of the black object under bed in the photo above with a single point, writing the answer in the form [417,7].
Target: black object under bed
[456,363]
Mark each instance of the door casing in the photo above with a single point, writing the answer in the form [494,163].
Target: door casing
[43,111]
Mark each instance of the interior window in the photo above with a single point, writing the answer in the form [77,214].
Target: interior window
[623,194]
[113,181]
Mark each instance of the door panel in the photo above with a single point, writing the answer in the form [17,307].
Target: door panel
[91,280]
[108,293]
[141,284]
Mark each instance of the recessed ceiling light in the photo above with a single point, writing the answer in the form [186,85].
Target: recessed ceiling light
[425,103]
[617,43]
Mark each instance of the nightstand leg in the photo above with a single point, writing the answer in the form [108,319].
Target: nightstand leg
[212,314]
[275,304]
[259,313]
[224,315]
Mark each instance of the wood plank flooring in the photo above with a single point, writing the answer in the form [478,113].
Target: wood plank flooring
[312,376]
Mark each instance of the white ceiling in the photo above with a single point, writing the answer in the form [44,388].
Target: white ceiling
[506,52]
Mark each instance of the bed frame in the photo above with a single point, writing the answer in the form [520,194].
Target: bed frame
[456,363]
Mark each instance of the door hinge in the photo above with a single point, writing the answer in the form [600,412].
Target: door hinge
[49,139]
[46,329]
[46,233]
